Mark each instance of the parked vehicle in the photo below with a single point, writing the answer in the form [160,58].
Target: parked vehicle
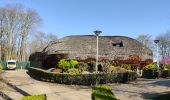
[11,64]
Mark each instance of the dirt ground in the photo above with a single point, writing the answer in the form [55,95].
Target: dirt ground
[137,90]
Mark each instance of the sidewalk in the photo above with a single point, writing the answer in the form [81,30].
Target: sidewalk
[54,91]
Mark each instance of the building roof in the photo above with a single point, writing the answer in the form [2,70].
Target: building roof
[110,46]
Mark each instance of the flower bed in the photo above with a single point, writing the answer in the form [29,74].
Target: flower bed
[82,79]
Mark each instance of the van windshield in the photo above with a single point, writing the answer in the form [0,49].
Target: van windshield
[11,63]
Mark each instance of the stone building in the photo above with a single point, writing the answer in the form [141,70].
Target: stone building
[81,47]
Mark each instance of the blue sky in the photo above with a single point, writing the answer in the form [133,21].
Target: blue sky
[113,17]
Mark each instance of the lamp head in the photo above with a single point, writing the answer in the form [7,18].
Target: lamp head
[156,41]
[97,32]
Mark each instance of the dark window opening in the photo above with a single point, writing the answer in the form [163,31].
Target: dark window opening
[119,44]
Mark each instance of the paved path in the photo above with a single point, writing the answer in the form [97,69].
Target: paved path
[137,90]
[141,89]
[27,85]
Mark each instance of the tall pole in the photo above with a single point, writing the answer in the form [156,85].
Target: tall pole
[97,33]
[157,56]
[97,55]
[157,53]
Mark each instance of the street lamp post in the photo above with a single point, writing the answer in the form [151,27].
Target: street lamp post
[97,33]
[157,54]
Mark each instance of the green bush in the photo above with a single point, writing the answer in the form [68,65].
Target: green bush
[150,66]
[165,73]
[1,67]
[82,79]
[34,97]
[126,66]
[73,71]
[102,92]
[118,70]
[106,66]
[66,64]
[150,71]
[82,66]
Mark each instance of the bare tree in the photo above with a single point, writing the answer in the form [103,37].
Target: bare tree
[42,40]
[164,44]
[15,25]
[146,40]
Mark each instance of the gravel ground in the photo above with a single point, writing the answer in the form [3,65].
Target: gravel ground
[137,90]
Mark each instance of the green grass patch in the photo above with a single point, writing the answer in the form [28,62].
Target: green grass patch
[34,97]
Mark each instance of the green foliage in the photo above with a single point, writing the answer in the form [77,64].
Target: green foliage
[34,97]
[82,79]
[118,70]
[82,66]
[150,71]
[73,71]
[106,67]
[1,67]
[165,66]
[126,66]
[165,73]
[102,92]
[66,64]
[150,66]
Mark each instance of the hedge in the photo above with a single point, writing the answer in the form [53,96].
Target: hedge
[35,97]
[102,92]
[81,79]
[150,74]
[165,73]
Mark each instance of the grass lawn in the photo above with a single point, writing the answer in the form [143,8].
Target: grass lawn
[161,97]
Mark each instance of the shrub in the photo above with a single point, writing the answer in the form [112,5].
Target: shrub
[102,92]
[150,71]
[150,66]
[66,64]
[73,71]
[164,66]
[91,66]
[1,67]
[34,97]
[82,79]
[82,66]
[165,73]
[118,70]
[126,66]
[73,63]
[106,66]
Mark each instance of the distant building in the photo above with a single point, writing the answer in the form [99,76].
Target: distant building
[82,47]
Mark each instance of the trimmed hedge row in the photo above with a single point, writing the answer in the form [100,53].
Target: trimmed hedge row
[102,92]
[82,79]
[35,97]
[152,74]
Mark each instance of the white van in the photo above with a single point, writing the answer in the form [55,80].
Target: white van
[11,64]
